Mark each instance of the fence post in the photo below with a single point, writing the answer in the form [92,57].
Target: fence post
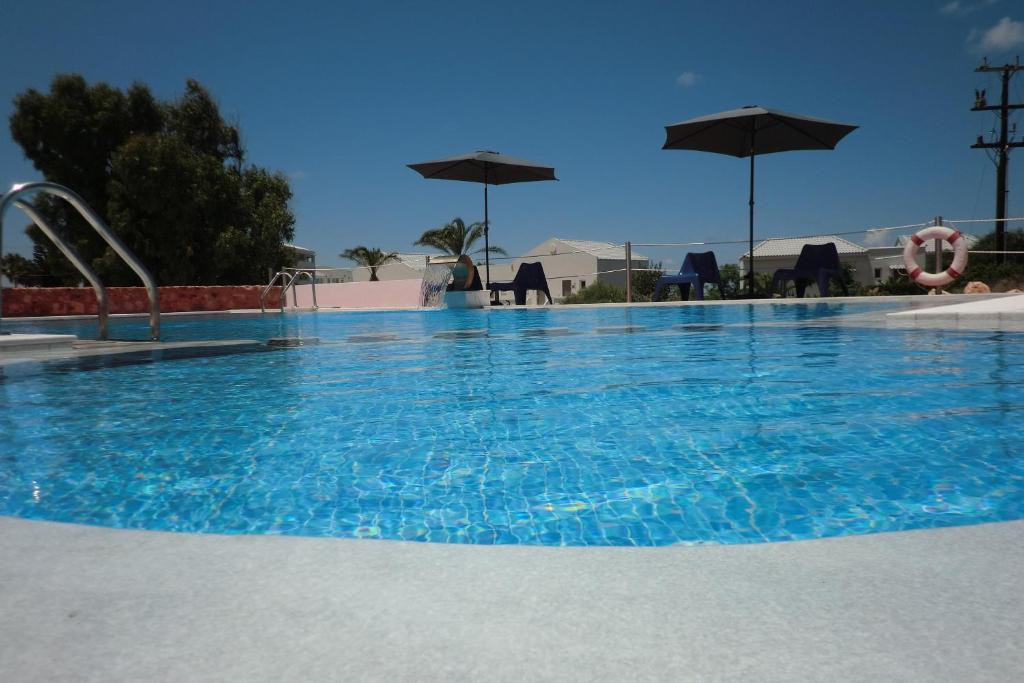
[629,273]
[938,253]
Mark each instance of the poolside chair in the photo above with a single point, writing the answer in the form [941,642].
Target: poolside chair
[699,269]
[529,276]
[816,263]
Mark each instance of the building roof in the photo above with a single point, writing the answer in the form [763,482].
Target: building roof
[929,245]
[791,246]
[602,250]
[301,251]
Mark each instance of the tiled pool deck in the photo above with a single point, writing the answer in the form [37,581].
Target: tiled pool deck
[81,603]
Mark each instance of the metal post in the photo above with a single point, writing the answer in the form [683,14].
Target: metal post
[938,252]
[314,281]
[629,273]
[750,286]
[487,243]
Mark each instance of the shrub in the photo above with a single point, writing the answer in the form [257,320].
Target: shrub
[644,281]
[598,293]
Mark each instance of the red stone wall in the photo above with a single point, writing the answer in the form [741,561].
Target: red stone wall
[44,301]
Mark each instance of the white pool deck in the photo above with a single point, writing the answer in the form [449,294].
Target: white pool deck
[82,603]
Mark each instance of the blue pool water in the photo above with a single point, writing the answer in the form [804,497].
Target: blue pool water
[604,426]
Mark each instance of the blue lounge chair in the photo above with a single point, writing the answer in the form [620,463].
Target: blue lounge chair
[529,276]
[699,268]
[816,263]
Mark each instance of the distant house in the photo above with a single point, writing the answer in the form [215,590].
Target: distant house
[301,257]
[871,265]
[404,267]
[570,265]
[773,254]
[305,259]
[329,276]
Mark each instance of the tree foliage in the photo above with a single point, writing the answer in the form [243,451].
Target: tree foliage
[18,269]
[168,177]
[734,286]
[643,281]
[372,258]
[986,267]
[456,238]
[598,292]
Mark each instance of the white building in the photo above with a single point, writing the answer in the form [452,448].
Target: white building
[871,265]
[330,276]
[773,254]
[569,265]
[404,267]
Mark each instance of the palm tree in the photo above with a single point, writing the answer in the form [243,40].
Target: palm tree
[456,239]
[371,258]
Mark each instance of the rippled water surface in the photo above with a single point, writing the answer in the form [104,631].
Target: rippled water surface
[607,426]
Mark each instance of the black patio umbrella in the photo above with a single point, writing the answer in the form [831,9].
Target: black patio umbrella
[750,131]
[489,168]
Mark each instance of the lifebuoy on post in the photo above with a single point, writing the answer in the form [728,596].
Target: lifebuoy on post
[936,232]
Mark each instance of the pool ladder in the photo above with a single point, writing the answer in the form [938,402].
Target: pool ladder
[289,280]
[15,196]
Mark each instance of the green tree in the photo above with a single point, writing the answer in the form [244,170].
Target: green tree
[597,293]
[456,238]
[643,281]
[370,258]
[733,286]
[169,178]
[986,267]
[18,269]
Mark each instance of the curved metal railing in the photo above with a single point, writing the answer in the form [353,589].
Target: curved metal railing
[295,295]
[289,280]
[103,303]
[17,191]
[287,277]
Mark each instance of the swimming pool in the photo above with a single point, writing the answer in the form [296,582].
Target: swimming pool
[601,426]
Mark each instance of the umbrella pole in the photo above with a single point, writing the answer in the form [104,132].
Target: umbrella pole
[750,286]
[487,244]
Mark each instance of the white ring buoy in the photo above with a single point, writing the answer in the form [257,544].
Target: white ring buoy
[936,232]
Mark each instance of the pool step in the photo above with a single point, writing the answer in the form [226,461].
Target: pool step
[10,343]
[292,342]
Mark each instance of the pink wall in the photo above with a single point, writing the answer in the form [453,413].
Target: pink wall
[44,301]
[384,294]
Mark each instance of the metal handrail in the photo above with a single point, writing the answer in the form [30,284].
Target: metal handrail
[266,290]
[75,258]
[295,294]
[101,228]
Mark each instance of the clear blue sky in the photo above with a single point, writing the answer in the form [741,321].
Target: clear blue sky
[340,96]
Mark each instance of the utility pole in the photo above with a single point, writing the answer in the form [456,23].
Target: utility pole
[1004,144]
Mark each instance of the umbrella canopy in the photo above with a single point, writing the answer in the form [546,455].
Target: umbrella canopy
[750,131]
[489,168]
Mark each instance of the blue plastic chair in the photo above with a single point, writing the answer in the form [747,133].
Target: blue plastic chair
[529,276]
[816,263]
[699,268]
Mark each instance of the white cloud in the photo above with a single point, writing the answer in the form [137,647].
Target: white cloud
[1006,35]
[296,175]
[878,238]
[687,79]
[956,8]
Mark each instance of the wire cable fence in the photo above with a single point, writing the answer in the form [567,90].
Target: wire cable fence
[637,263]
